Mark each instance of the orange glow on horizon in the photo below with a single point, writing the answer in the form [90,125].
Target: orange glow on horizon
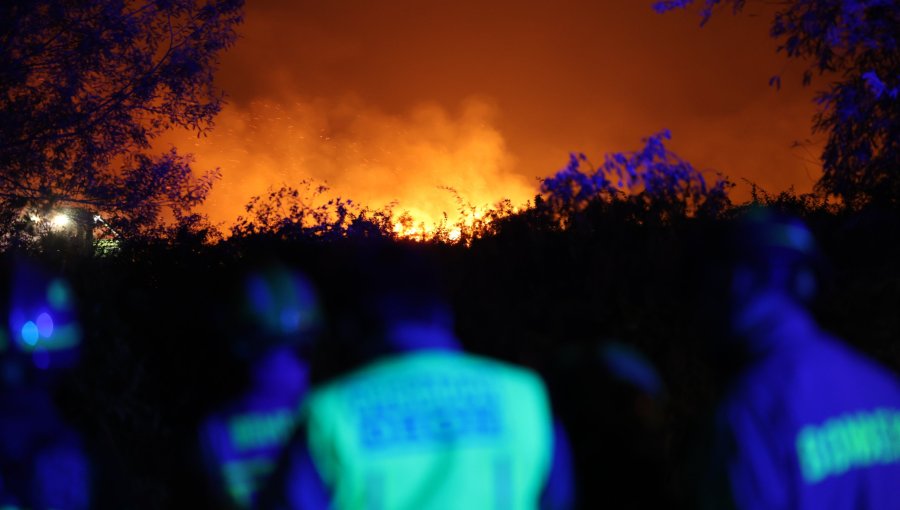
[434,166]
[394,102]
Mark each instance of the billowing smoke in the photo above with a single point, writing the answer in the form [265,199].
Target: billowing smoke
[360,152]
[392,100]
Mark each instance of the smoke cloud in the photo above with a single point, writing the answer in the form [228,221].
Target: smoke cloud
[391,100]
[362,153]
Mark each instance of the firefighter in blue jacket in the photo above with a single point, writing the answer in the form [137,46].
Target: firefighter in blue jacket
[43,463]
[242,441]
[808,423]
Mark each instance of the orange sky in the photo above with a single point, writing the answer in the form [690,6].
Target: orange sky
[391,99]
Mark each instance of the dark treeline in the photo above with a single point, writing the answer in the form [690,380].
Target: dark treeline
[542,287]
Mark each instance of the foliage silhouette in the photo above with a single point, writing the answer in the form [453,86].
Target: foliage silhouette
[855,45]
[306,211]
[88,86]
[653,183]
[653,180]
[310,211]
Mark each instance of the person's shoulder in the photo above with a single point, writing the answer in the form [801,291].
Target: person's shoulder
[495,365]
[375,371]
[811,381]
[835,360]
[430,362]
[514,375]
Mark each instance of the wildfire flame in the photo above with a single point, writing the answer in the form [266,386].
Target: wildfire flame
[416,225]
[438,169]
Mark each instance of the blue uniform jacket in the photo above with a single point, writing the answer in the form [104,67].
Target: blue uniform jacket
[42,461]
[243,442]
[811,424]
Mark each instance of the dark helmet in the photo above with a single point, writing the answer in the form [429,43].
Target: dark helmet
[773,251]
[276,306]
[739,267]
[401,283]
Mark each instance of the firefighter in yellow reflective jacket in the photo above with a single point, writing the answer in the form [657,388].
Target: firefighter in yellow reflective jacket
[426,426]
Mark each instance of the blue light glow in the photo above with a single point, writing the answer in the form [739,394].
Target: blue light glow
[45,325]
[30,333]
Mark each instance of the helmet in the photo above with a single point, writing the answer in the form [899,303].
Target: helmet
[277,306]
[775,252]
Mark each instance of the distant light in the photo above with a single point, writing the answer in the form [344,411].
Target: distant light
[45,325]
[60,220]
[30,333]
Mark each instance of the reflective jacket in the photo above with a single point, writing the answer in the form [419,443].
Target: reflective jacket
[432,430]
[242,443]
